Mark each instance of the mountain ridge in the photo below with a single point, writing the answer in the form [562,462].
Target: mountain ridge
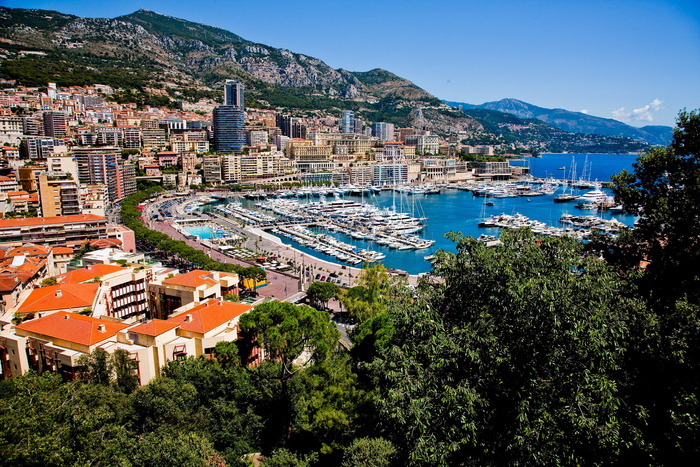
[574,122]
[182,60]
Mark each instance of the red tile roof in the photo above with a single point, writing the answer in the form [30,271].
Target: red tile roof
[62,250]
[88,273]
[209,315]
[193,278]
[61,296]
[155,327]
[72,327]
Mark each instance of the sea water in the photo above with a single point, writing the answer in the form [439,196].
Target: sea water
[460,211]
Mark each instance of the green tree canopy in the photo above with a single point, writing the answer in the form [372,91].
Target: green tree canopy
[294,337]
[512,358]
[319,293]
[370,297]
[664,190]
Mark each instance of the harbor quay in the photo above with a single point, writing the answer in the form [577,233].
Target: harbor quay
[289,271]
[317,231]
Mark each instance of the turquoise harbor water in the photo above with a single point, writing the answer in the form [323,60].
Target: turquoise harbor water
[460,211]
[205,232]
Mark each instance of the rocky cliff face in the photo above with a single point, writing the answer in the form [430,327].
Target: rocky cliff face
[443,122]
[192,50]
[179,54]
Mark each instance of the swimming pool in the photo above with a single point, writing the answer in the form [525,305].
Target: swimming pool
[205,232]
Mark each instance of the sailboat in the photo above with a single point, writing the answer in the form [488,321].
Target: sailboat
[565,197]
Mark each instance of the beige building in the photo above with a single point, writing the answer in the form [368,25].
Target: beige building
[193,287]
[438,169]
[93,199]
[189,141]
[244,167]
[56,342]
[424,144]
[360,145]
[62,164]
[59,197]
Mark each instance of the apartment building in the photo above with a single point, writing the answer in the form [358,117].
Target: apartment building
[390,174]
[188,161]
[72,231]
[63,164]
[425,144]
[57,341]
[438,169]
[59,196]
[123,291]
[192,141]
[211,166]
[196,286]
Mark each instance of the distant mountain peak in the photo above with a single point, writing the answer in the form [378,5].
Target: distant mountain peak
[574,122]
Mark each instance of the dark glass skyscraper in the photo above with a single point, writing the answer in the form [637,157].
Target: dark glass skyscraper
[233,93]
[229,129]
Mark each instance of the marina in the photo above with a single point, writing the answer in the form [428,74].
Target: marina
[401,230]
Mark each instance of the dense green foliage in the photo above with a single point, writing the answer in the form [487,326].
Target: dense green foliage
[320,293]
[186,30]
[513,359]
[37,71]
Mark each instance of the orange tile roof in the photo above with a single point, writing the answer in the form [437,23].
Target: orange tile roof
[208,315]
[155,327]
[88,273]
[106,243]
[28,249]
[31,267]
[72,327]
[29,221]
[193,278]
[62,250]
[61,296]
[10,280]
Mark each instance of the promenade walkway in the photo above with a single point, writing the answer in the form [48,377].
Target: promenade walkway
[305,268]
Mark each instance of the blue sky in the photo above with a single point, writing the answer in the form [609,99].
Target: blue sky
[634,60]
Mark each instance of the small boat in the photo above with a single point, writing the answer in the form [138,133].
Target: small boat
[561,168]
[563,198]
[488,203]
